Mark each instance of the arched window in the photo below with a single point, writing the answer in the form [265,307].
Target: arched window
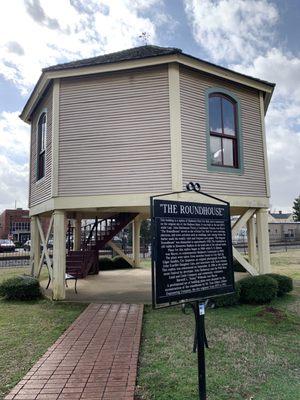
[223,131]
[41,145]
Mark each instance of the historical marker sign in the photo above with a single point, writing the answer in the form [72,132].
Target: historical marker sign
[192,251]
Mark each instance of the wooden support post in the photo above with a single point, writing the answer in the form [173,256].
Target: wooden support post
[120,252]
[77,233]
[136,241]
[251,234]
[241,222]
[35,247]
[263,241]
[59,255]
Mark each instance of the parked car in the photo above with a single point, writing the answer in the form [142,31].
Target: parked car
[7,245]
[27,245]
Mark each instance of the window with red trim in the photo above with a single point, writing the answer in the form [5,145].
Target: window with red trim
[41,145]
[223,130]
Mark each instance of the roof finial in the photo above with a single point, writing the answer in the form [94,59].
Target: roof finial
[144,36]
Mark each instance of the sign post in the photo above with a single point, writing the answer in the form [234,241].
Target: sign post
[191,258]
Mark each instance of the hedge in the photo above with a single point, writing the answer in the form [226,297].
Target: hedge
[237,267]
[285,283]
[20,288]
[257,289]
[120,263]
[107,263]
[228,300]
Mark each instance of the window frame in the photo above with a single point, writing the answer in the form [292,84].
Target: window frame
[40,153]
[238,167]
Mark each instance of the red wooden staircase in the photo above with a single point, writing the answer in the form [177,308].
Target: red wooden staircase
[94,237]
[81,263]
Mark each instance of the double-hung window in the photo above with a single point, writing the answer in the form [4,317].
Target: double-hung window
[223,131]
[41,145]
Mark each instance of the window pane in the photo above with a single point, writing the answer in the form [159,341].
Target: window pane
[216,150]
[41,166]
[43,136]
[228,152]
[215,121]
[228,117]
[42,133]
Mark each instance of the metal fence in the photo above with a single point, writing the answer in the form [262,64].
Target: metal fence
[21,257]
[17,258]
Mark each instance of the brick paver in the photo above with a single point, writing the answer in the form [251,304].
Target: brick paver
[96,358]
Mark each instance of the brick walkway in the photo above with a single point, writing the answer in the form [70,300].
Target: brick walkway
[96,358]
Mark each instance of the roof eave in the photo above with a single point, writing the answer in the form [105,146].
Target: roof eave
[182,58]
[35,96]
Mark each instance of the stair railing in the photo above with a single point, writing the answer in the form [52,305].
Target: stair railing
[96,233]
[70,237]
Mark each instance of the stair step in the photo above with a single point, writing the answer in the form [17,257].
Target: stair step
[75,256]
[76,263]
[80,263]
[107,229]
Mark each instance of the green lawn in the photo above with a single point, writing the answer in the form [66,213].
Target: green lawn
[253,354]
[253,350]
[287,263]
[27,329]
[6,273]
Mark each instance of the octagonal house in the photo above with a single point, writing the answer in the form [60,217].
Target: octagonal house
[110,131]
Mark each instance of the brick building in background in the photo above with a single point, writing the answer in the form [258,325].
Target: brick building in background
[16,223]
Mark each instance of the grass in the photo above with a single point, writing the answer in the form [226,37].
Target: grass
[253,349]
[287,263]
[27,329]
[146,262]
[6,273]
[252,355]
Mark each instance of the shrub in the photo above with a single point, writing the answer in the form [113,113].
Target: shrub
[108,264]
[228,300]
[237,267]
[105,263]
[120,263]
[285,283]
[257,289]
[20,288]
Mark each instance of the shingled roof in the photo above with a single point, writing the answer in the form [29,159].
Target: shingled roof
[281,215]
[124,55]
[136,53]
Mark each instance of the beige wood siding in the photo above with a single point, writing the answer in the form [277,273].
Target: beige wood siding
[40,191]
[114,133]
[252,182]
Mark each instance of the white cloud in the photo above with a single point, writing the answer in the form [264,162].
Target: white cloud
[14,155]
[38,33]
[231,30]
[282,122]
[278,67]
[14,134]
[241,34]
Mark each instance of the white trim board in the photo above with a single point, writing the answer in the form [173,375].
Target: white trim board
[183,59]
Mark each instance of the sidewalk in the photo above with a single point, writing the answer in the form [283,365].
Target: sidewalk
[96,358]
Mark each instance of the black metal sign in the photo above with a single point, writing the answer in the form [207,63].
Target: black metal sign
[191,258]
[192,251]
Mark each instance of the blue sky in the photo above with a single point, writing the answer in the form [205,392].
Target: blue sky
[257,37]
